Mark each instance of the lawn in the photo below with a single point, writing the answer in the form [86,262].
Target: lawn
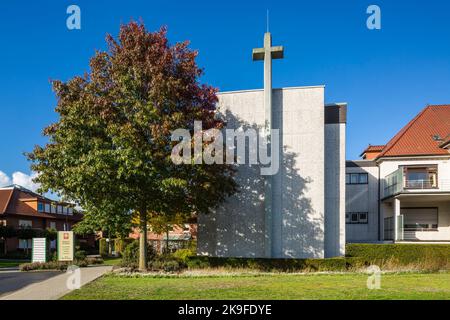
[112,261]
[282,286]
[11,263]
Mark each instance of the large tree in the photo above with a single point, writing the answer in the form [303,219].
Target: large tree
[112,142]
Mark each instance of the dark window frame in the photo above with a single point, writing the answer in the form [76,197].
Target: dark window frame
[349,217]
[358,179]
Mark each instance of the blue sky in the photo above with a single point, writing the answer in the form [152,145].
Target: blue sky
[386,76]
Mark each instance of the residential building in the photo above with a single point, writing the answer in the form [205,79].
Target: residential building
[401,191]
[23,208]
[176,237]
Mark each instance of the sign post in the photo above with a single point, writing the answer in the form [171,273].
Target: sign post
[65,246]
[39,250]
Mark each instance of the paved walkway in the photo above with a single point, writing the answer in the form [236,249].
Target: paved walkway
[56,287]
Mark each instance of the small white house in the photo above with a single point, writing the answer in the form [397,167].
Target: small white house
[401,191]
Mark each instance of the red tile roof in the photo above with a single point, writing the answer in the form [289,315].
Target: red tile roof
[372,148]
[5,197]
[422,135]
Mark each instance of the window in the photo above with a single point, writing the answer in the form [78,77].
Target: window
[421,177]
[24,243]
[420,219]
[356,178]
[70,211]
[47,207]
[53,208]
[65,210]
[60,209]
[40,207]
[356,218]
[52,225]
[25,224]
[66,227]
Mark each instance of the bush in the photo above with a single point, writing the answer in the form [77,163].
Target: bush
[166,263]
[80,255]
[52,265]
[288,265]
[103,247]
[184,254]
[402,253]
[94,260]
[121,244]
[130,256]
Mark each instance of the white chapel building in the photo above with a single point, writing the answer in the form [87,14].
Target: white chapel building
[300,211]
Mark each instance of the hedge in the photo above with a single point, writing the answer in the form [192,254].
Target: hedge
[103,247]
[403,253]
[291,265]
[429,256]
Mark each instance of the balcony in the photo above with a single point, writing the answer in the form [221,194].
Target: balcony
[413,179]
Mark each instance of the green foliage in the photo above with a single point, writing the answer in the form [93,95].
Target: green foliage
[80,255]
[103,247]
[287,265]
[107,217]
[52,265]
[130,256]
[424,256]
[403,253]
[111,146]
[51,234]
[166,263]
[121,244]
[184,254]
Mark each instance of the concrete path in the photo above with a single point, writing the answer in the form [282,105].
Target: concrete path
[57,286]
[14,280]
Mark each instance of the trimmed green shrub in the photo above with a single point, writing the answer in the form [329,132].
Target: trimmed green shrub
[80,255]
[289,265]
[130,256]
[166,263]
[121,244]
[103,247]
[402,253]
[184,254]
[52,265]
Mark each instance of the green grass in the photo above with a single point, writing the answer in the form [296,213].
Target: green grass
[11,263]
[283,286]
[112,261]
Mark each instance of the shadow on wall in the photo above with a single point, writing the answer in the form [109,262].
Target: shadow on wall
[237,227]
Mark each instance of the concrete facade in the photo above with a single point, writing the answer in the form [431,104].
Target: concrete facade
[362,198]
[334,189]
[384,206]
[300,227]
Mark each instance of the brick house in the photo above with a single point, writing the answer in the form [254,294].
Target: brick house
[22,208]
[178,237]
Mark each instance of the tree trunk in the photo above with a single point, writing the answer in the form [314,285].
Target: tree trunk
[143,241]
[167,240]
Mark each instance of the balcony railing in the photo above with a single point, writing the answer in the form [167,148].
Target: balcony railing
[396,183]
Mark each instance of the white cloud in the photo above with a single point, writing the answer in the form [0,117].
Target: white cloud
[4,179]
[25,180]
[20,178]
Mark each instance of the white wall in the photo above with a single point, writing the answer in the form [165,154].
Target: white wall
[335,189]
[237,228]
[363,198]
